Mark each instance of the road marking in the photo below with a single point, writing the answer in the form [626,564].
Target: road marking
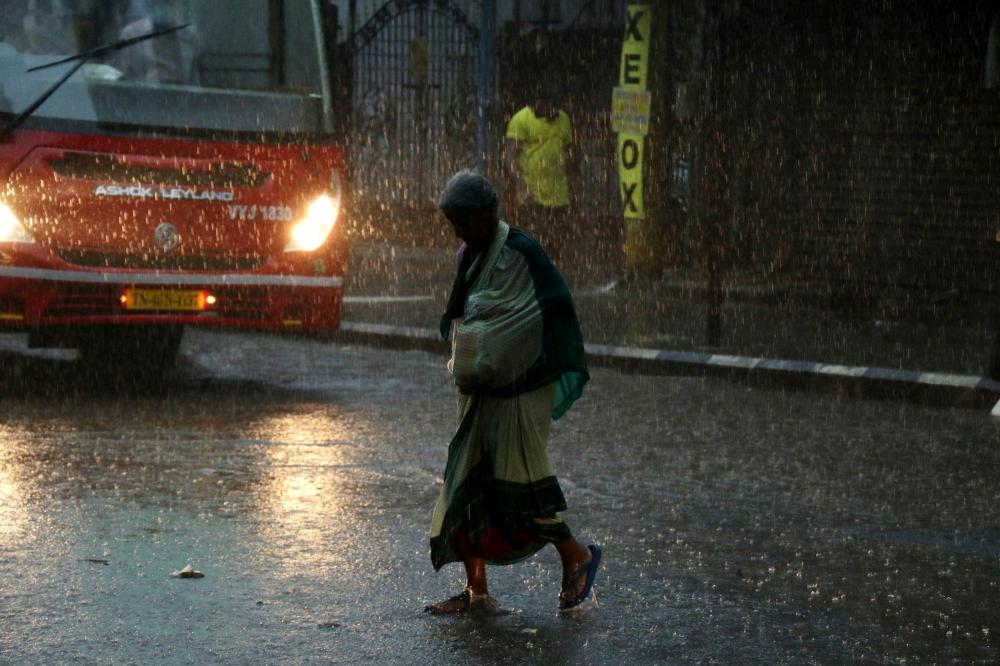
[601,354]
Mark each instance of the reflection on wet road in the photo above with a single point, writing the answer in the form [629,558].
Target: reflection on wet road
[740,526]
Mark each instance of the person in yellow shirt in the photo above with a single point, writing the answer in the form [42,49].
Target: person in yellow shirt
[540,157]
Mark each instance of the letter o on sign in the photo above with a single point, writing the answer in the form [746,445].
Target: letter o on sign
[630,154]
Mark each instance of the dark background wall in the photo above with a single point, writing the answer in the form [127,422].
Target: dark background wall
[862,142]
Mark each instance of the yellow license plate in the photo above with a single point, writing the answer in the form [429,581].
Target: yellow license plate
[164,299]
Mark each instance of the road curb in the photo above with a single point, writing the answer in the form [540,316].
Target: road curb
[962,390]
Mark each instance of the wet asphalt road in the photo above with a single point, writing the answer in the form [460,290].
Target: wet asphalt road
[739,525]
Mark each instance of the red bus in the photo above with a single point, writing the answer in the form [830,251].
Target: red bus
[167,163]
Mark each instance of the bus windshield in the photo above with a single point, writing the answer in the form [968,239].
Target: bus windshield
[239,66]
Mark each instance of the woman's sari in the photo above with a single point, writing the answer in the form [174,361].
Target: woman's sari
[518,358]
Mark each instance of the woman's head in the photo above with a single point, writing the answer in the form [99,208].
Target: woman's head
[471,205]
[468,191]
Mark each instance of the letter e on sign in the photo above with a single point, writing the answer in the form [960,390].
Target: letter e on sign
[632,69]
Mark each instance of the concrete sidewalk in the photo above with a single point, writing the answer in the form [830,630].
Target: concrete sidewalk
[924,349]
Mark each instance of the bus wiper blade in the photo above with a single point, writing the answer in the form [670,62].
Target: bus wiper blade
[113,46]
[81,59]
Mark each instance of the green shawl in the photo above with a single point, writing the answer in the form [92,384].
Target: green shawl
[562,359]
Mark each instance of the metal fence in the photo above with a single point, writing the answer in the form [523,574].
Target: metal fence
[413,102]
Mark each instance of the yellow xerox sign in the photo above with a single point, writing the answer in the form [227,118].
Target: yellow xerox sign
[630,108]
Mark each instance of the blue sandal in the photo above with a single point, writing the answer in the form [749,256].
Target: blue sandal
[591,571]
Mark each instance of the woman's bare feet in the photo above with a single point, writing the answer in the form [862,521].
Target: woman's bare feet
[466,602]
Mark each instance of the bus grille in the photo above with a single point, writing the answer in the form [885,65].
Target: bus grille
[178,262]
[110,168]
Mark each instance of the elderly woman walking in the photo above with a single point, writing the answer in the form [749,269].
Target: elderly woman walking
[518,362]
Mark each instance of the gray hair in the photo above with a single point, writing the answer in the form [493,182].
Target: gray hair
[468,191]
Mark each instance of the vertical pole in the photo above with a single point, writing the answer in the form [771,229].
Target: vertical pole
[993,370]
[276,41]
[324,65]
[484,79]
[716,194]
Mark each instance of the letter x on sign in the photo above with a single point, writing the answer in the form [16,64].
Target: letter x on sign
[628,189]
[632,26]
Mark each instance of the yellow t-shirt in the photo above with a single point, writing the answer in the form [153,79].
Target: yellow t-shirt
[542,156]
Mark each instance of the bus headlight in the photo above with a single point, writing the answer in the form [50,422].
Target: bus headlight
[312,231]
[11,230]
